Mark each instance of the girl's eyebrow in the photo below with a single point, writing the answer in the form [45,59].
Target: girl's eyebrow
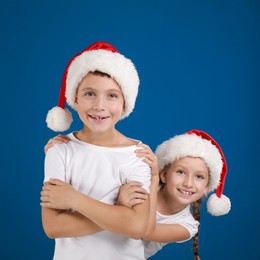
[178,165]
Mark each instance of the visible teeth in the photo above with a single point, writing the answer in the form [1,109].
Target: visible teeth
[186,192]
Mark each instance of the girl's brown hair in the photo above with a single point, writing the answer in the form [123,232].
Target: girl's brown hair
[196,215]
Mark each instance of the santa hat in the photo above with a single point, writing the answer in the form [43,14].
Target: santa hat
[197,143]
[99,56]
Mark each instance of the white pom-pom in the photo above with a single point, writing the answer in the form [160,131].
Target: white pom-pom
[218,206]
[59,119]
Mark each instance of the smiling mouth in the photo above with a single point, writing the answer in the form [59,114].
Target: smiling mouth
[98,118]
[186,193]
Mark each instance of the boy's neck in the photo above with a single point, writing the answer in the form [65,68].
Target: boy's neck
[112,139]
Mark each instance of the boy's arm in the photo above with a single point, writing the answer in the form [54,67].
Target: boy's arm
[57,223]
[60,223]
[109,217]
[131,222]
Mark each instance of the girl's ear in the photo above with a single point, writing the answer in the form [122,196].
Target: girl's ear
[206,191]
[123,110]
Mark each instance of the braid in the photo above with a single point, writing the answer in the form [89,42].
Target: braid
[196,215]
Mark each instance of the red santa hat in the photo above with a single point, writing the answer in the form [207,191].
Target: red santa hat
[197,143]
[99,56]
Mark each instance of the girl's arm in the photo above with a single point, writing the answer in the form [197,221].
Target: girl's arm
[58,139]
[167,233]
[150,158]
[132,193]
[131,222]
[157,232]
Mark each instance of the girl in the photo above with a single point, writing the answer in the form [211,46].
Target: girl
[190,166]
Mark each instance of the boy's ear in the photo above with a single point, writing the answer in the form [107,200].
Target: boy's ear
[76,102]
[163,176]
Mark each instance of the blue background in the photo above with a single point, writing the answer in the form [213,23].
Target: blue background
[198,63]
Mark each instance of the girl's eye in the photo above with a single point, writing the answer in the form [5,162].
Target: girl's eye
[200,177]
[180,171]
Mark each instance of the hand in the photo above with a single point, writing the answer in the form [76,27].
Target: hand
[57,194]
[59,139]
[148,157]
[131,194]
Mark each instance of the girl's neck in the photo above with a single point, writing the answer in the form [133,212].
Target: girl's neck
[166,204]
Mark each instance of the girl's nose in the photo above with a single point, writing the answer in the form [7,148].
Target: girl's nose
[188,182]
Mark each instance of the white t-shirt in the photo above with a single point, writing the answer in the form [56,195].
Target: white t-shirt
[183,218]
[98,172]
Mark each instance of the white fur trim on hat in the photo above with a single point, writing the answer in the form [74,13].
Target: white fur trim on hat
[59,119]
[218,206]
[102,57]
[114,64]
[191,145]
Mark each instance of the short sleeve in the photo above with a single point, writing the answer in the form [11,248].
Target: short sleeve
[192,226]
[54,164]
[140,172]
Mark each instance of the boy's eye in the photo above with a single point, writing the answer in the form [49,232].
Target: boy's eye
[200,177]
[89,94]
[112,95]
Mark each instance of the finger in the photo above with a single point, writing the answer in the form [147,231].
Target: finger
[131,184]
[46,205]
[134,189]
[61,139]
[144,146]
[137,190]
[47,147]
[142,150]
[146,153]
[148,161]
[45,199]
[44,193]
[137,195]
[64,137]
[46,187]
[57,182]
[135,202]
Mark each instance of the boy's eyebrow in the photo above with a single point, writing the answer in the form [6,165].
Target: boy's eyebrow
[108,90]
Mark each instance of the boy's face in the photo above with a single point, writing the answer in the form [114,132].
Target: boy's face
[186,180]
[99,102]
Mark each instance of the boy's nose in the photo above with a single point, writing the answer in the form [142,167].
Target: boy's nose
[99,104]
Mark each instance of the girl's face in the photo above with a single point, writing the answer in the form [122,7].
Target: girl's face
[186,180]
[99,102]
